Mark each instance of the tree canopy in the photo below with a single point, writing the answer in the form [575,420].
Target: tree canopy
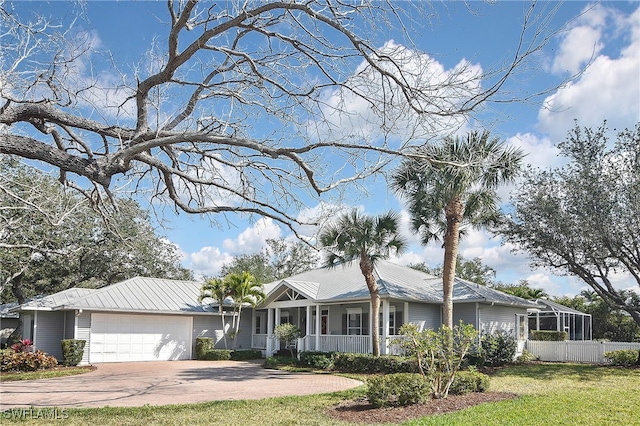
[582,219]
[51,239]
[455,192]
[239,106]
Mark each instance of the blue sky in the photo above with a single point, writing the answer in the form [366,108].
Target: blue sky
[606,35]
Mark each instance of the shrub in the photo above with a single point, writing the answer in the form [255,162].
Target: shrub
[217,355]
[204,345]
[367,363]
[26,361]
[72,351]
[23,345]
[397,389]
[526,357]
[465,382]
[549,336]
[246,355]
[624,358]
[274,361]
[317,360]
[288,333]
[498,348]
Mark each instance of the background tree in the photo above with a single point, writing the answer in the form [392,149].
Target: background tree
[366,239]
[457,191]
[522,289]
[471,270]
[51,239]
[582,219]
[231,106]
[607,323]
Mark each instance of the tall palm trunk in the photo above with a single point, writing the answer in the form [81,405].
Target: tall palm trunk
[366,267]
[453,211]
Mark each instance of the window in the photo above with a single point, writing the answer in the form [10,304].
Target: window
[261,323]
[354,321]
[324,321]
[395,321]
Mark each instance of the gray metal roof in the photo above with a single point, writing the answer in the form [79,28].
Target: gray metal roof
[345,282]
[6,310]
[548,306]
[140,294]
[53,301]
[467,291]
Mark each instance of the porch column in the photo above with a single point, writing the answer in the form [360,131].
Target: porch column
[385,327]
[269,332]
[277,321]
[307,327]
[318,313]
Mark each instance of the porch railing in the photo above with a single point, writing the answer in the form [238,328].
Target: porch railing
[336,343]
[259,341]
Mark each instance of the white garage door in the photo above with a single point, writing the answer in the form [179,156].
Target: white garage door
[121,337]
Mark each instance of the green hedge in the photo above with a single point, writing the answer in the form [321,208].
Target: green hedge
[246,355]
[397,389]
[466,382]
[72,351]
[549,336]
[317,360]
[623,358]
[367,363]
[205,352]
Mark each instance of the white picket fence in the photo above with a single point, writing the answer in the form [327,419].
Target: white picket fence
[576,351]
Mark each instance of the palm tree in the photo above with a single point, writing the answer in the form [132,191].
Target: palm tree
[245,290]
[367,239]
[219,291]
[451,186]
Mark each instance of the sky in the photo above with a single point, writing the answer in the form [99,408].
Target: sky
[600,44]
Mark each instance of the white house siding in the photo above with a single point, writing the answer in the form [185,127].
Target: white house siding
[83,332]
[49,332]
[465,312]
[425,316]
[493,318]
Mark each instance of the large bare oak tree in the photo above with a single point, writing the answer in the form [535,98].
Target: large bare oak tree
[240,106]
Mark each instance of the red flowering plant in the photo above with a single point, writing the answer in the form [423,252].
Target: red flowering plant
[23,345]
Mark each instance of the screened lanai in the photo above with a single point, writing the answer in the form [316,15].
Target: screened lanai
[555,317]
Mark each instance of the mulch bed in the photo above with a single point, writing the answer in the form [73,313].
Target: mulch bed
[360,411]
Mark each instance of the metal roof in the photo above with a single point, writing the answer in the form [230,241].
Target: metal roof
[345,282]
[139,294]
[548,306]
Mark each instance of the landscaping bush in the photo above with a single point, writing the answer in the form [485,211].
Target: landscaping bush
[623,358]
[72,351]
[23,345]
[204,345]
[26,361]
[526,357]
[549,336]
[397,389]
[217,355]
[466,382]
[317,360]
[367,363]
[277,360]
[246,355]
[498,348]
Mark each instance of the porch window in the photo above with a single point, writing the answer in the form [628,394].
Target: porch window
[395,321]
[261,323]
[324,321]
[284,317]
[354,321]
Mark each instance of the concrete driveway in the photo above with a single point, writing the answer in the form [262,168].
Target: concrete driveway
[134,384]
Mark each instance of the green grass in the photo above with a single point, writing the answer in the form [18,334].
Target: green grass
[44,374]
[550,394]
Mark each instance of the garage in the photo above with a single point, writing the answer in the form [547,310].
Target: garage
[126,337]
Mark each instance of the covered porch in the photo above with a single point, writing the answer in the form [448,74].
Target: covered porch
[337,327]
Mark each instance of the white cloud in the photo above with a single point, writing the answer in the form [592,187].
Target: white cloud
[373,108]
[208,261]
[253,239]
[609,88]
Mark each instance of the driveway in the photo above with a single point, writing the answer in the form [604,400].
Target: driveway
[134,384]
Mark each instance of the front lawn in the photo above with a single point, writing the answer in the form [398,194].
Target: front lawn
[44,374]
[550,394]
